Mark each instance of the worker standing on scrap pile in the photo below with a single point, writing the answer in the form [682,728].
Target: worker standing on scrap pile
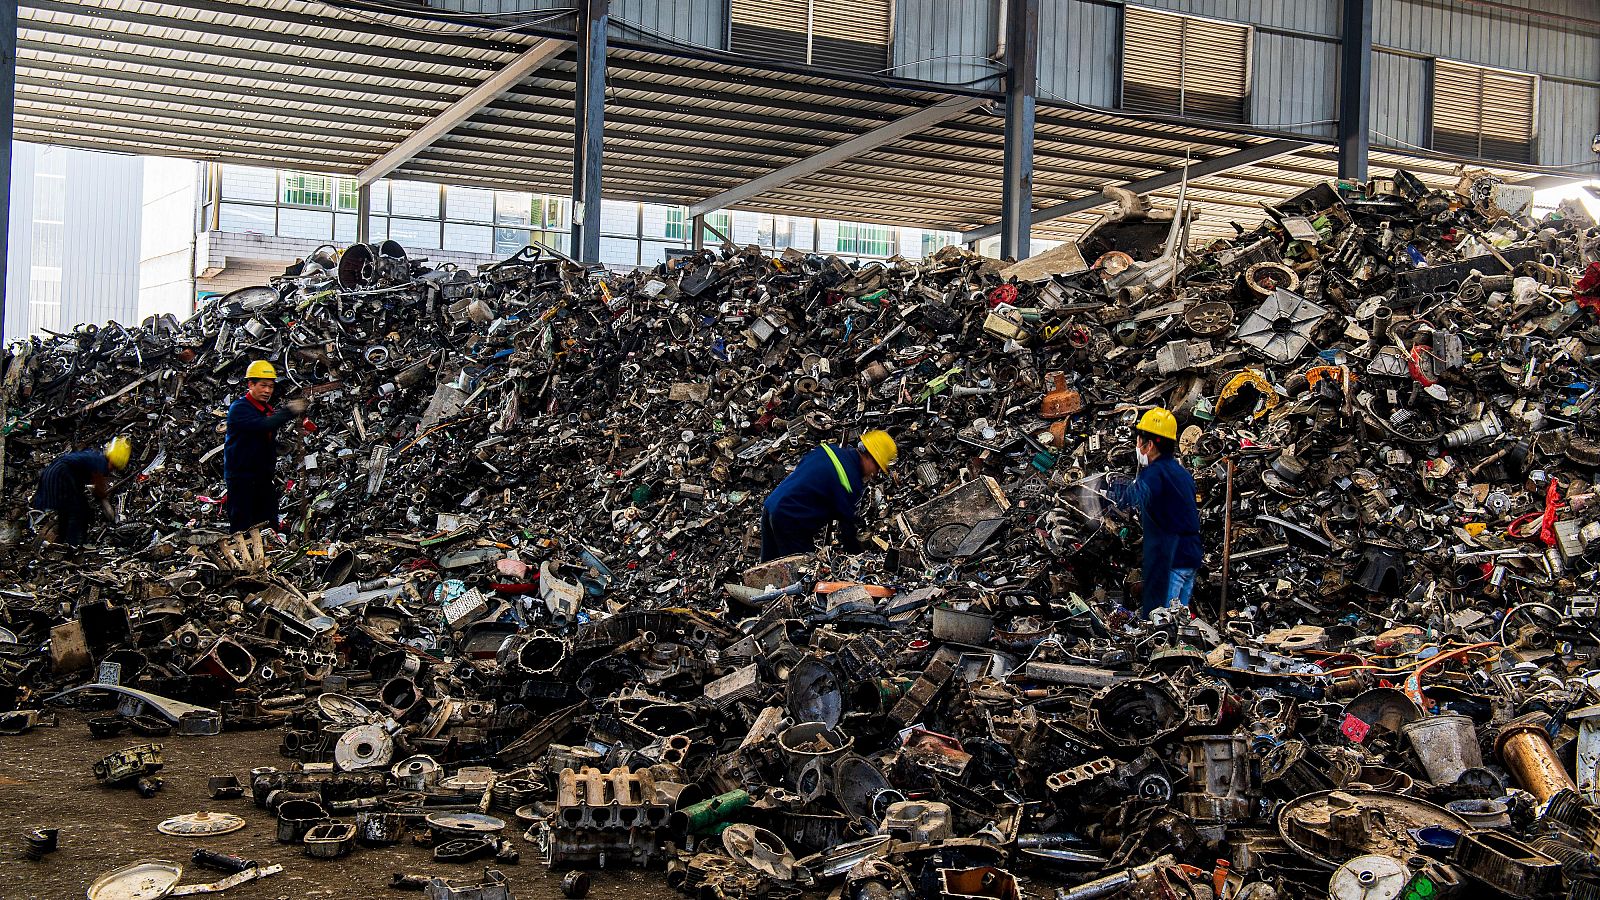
[1163,493]
[825,487]
[61,490]
[250,456]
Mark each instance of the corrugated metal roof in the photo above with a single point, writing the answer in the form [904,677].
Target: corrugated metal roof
[302,84]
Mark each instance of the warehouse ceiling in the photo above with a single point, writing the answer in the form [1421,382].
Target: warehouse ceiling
[307,85]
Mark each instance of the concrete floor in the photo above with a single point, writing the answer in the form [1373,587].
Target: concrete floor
[45,780]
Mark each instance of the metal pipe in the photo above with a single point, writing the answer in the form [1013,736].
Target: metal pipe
[1115,882]
[1227,545]
[1526,752]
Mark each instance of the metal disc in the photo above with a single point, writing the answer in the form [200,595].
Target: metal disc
[146,880]
[1374,877]
[201,824]
[464,823]
[342,710]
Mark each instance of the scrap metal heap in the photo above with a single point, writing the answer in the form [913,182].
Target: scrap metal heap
[514,593]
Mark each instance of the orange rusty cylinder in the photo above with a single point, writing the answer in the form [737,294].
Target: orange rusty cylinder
[1527,754]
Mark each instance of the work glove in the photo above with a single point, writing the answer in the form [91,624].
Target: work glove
[106,507]
[296,406]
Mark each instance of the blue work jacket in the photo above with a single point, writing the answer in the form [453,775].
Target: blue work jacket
[1164,496]
[813,495]
[251,450]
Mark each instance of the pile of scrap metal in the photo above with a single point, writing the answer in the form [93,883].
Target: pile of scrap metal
[513,602]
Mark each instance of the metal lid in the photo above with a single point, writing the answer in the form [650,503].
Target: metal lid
[343,710]
[145,880]
[201,824]
[464,823]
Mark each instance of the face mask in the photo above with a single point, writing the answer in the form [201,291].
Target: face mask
[1143,460]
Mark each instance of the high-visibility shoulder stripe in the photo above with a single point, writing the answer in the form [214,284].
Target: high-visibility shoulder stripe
[839,468]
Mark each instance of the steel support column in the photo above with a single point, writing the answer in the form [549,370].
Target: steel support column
[589,89]
[8,110]
[698,240]
[1022,71]
[363,213]
[1355,89]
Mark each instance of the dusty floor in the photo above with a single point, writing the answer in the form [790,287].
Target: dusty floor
[45,780]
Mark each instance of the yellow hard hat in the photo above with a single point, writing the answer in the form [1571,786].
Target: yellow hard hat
[1160,423]
[118,451]
[260,369]
[881,447]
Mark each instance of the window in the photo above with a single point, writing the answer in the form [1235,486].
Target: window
[722,222]
[349,195]
[512,208]
[249,183]
[845,35]
[1483,113]
[1182,66]
[934,241]
[509,240]
[469,238]
[379,204]
[864,240]
[312,224]
[414,198]
[419,234]
[469,205]
[677,224]
[301,189]
[248,219]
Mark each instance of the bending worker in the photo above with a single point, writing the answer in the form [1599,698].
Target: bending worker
[1163,493]
[250,456]
[61,489]
[825,487]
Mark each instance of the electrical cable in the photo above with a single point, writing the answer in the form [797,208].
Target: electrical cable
[366,13]
[1450,157]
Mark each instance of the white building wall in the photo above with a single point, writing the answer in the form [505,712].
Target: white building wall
[73,254]
[166,237]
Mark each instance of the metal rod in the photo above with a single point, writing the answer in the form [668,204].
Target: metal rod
[1227,544]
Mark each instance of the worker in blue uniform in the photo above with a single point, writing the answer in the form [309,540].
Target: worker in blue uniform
[61,487]
[250,455]
[1163,493]
[825,487]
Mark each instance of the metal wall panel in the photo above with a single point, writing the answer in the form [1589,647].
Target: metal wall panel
[1400,91]
[1294,84]
[1482,36]
[1569,117]
[1079,52]
[1312,16]
[19,255]
[947,41]
[98,239]
[100,262]
[703,23]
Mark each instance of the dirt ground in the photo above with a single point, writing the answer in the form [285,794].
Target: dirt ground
[45,780]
